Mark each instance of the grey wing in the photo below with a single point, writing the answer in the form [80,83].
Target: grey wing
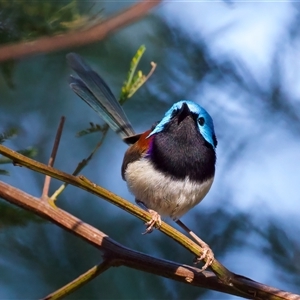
[91,88]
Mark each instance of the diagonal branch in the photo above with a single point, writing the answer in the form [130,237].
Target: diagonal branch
[236,284]
[120,254]
[116,255]
[83,183]
[52,158]
[81,280]
[76,39]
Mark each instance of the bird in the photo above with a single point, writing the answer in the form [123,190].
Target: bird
[170,167]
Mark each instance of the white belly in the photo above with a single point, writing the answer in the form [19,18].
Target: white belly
[166,196]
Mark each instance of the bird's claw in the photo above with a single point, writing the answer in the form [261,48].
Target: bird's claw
[207,255]
[154,222]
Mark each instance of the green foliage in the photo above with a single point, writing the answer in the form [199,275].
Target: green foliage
[93,128]
[7,69]
[14,216]
[10,133]
[25,20]
[133,82]
[134,79]
[22,20]
[29,152]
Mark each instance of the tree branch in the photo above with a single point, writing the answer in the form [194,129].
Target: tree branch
[52,158]
[81,280]
[76,39]
[120,255]
[83,183]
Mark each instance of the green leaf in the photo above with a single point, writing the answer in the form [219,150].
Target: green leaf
[135,81]
[29,152]
[4,160]
[133,65]
[8,135]
[93,128]
[23,20]
[7,68]
[4,172]
[14,216]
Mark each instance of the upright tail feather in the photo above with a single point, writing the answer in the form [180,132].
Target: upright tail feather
[92,89]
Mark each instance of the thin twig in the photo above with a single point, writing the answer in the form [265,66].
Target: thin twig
[80,281]
[80,166]
[142,81]
[52,157]
[105,128]
[76,39]
[153,67]
[84,162]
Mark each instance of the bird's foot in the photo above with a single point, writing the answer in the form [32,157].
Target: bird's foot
[207,255]
[154,222]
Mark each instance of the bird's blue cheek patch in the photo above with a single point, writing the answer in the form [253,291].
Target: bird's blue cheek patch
[208,135]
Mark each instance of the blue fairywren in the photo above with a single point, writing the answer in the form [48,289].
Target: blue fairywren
[170,167]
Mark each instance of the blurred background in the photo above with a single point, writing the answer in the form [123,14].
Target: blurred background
[238,60]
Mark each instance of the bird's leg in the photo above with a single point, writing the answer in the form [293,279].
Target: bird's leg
[207,252]
[156,218]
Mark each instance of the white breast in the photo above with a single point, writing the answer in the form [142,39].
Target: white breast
[157,191]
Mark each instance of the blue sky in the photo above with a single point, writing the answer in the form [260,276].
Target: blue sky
[264,180]
[250,33]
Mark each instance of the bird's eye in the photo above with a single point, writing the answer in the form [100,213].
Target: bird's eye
[201,121]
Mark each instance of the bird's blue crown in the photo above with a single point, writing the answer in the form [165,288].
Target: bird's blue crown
[206,129]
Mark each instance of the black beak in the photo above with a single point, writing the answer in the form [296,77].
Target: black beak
[183,112]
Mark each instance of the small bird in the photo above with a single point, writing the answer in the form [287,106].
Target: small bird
[168,168]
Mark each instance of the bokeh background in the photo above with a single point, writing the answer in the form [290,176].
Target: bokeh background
[241,61]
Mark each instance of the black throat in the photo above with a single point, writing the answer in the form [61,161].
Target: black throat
[180,151]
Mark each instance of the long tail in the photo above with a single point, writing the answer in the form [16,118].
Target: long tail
[92,89]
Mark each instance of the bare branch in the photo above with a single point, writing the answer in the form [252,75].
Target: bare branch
[112,249]
[52,158]
[118,255]
[81,165]
[226,281]
[76,39]
[81,280]
[83,183]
